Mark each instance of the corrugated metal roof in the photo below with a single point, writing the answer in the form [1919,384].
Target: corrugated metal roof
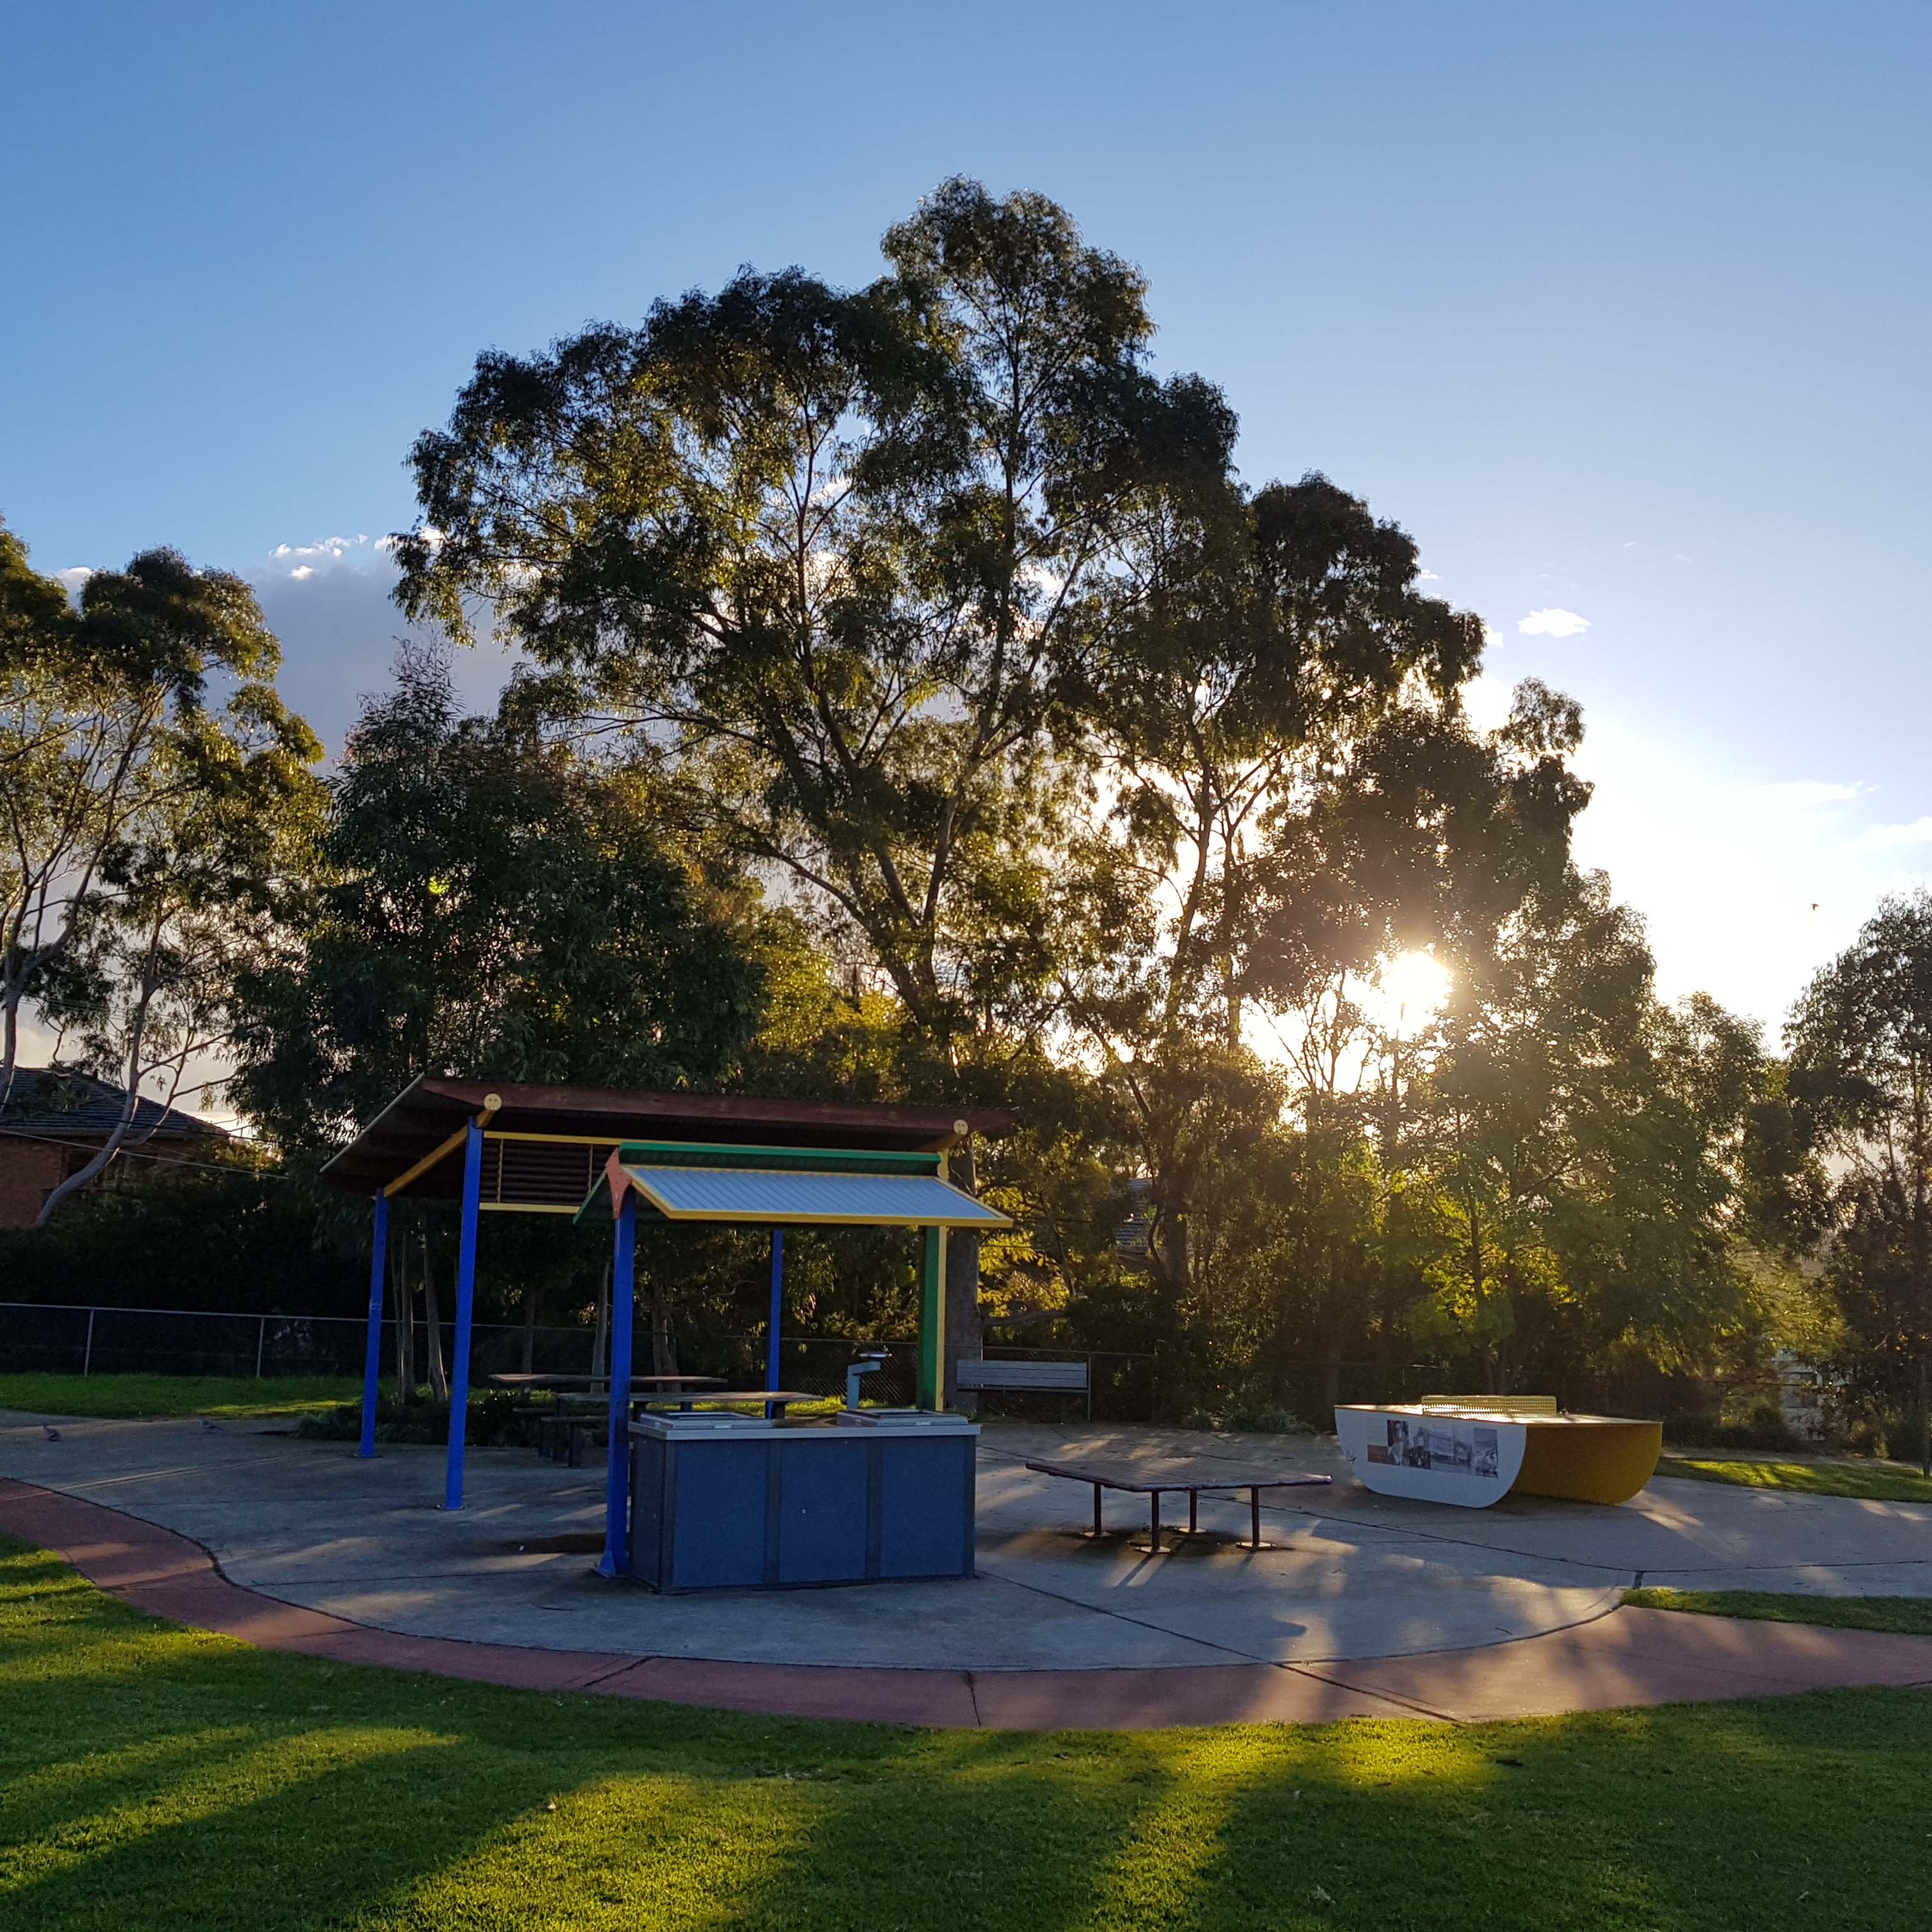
[430,1109]
[753,1194]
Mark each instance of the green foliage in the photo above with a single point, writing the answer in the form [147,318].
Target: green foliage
[495,1419]
[1760,1425]
[247,1241]
[1088,767]
[915,705]
[1859,1091]
[158,807]
[832,560]
[1251,1414]
[156,1777]
[1582,1140]
[488,905]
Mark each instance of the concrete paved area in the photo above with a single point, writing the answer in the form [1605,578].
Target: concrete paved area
[1353,1576]
[1630,1657]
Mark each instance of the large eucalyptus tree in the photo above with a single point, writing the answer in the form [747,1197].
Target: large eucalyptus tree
[837,563]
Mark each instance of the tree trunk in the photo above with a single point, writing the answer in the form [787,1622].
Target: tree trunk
[439,1377]
[601,1337]
[401,1300]
[965,1331]
[103,1157]
[663,1343]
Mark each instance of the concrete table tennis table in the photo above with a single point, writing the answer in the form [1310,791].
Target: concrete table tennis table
[1473,1450]
[1155,1480]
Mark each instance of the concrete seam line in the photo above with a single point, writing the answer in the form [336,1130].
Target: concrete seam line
[1139,1623]
[1382,1696]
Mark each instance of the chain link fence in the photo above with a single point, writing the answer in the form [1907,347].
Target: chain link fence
[105,1341]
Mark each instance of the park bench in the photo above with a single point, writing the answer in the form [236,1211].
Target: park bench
[1067,1377]
[564,1434]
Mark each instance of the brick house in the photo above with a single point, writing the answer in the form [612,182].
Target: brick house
[56,1121]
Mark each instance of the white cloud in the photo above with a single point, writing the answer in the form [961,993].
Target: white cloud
[334,548]
[1803,794]
[1552,623]
[1890,838]
[1427,577]
[340,628]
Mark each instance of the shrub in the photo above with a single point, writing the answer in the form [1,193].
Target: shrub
[1249,1414]
[1761,1426]
[496,1420]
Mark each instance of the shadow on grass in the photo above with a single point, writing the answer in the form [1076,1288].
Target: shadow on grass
[155,1778]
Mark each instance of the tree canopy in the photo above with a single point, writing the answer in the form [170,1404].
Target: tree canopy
[484,904]
[914,700]
[157,804]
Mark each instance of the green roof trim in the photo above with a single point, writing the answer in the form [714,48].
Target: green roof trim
[775,1159]
[827,1162]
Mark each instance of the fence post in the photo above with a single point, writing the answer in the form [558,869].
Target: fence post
[87,1356]
[261,1342]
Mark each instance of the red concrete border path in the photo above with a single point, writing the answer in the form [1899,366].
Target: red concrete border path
[1631,1656]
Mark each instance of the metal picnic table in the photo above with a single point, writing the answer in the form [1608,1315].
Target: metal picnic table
[590,1387]
[1154,1480]
[580,1398]
[776,1400]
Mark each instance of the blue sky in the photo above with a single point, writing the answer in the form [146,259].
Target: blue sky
[1622,310]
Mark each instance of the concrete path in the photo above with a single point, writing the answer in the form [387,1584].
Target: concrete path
[1367,1606]
[1635,1657]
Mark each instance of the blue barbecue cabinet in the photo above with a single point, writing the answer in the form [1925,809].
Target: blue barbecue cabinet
[720,1501]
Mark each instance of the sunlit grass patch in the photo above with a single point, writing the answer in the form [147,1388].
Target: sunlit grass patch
[127,1397]
[1910,1616]
[1879,1482]
[152,1777]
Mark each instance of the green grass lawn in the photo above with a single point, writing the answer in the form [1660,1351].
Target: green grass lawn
[1910,1616]
[1879,1482]
[177,1395]
[152,1777]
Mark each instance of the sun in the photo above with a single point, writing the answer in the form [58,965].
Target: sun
[1413,987]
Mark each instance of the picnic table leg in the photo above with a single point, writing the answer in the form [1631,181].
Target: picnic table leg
[1097,1530]
[1156,1538]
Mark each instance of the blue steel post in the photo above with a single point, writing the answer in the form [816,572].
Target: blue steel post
[466,1307]
[616,1557]
[772,1365]
[372,1353]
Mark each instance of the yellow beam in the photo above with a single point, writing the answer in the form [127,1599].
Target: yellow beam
[564,1140]
[491,1104]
